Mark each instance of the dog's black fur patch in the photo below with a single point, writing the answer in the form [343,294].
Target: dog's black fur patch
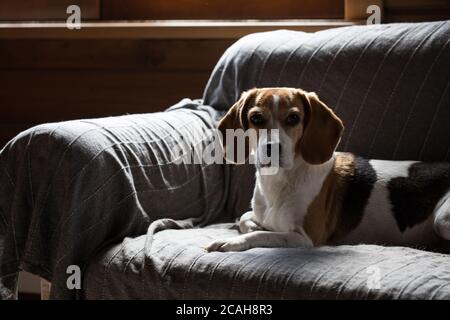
[359,187]
[414,198]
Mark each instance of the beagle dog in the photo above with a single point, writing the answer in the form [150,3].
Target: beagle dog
[319,196]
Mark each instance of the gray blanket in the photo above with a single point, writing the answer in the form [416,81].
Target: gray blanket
[177,267]
[106,194]
[69,189]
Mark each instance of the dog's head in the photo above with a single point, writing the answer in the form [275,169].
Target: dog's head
[297,123]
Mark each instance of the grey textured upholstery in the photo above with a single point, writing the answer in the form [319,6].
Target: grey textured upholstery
[181,269]
[69,189]
[389,83]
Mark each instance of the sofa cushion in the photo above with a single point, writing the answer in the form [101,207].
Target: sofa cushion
[176,266]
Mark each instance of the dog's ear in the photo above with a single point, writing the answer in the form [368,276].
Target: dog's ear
[322,130]
[235,119]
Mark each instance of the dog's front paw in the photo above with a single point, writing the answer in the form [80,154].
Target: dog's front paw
[305,242]
[225,245]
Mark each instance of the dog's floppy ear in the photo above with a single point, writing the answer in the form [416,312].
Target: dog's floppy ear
[236,118]
[322,130]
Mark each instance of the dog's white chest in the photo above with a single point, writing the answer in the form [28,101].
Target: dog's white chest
[284,199]
[271,211]
[278,218]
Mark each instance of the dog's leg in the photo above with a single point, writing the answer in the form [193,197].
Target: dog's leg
[246,223]
[267,239]
[442,217]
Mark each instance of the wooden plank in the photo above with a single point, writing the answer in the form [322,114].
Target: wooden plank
[169,29]
[230,9]
[14,10]
[119,54]
[391,17]
[357,9]
[400,10]
[416,3]
[42,96]
[416,10]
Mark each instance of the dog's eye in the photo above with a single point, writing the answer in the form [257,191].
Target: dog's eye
[292,119]
[257,119]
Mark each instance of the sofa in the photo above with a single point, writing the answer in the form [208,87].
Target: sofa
[110,197]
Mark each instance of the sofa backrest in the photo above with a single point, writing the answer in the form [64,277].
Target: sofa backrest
[389,83]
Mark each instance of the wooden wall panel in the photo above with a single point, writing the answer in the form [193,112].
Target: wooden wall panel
[221,9]
[14,10]
[118,54]
[416,10]
[55,80]
[59,95]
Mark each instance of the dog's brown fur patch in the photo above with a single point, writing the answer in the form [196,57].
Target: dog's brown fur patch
[324,212]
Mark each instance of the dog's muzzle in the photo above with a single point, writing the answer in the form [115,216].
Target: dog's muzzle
[269,154]
[275,146]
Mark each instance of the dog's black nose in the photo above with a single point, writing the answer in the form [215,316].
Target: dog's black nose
[273,146]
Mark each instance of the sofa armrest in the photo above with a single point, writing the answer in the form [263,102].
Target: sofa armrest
[69,189]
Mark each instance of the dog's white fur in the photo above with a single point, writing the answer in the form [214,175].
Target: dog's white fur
[279,202]
[378,224]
